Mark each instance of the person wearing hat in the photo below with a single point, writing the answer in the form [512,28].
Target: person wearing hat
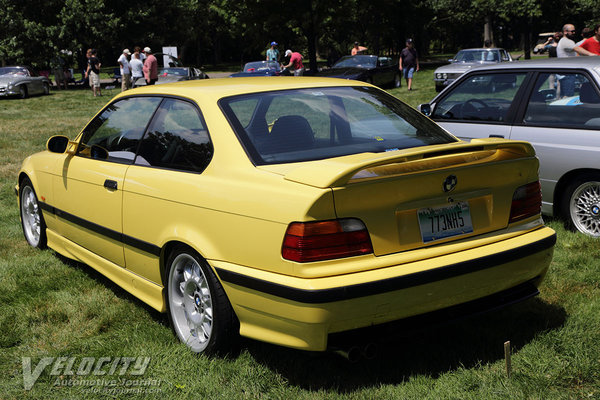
[125,70]
[295,62]
[409,62]
[273,53]
[357,49]
[150,67]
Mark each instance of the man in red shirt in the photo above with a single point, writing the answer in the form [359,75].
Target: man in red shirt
[591,46]
[150,67]
[295,62]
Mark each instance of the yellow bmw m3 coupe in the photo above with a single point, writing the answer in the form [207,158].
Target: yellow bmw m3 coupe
[288,210]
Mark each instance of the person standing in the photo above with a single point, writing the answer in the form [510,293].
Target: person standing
[137,68]
[93,72]
[150,67]
[357,49]
[409,62]
[58,69]
[273,53]
[125,70]
[590,46]
[566,45]
[295,62]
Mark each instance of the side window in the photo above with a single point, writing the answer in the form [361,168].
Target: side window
[480,98]
[563,99]
[119,128]
[176,139]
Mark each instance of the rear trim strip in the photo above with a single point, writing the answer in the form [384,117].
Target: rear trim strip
[385,285]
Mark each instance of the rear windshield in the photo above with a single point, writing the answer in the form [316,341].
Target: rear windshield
[313,124]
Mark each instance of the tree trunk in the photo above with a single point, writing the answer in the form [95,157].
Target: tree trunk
[488,32]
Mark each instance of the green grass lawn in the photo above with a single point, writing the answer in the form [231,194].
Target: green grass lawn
[52,307]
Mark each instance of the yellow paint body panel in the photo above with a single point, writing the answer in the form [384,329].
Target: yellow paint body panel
[235,216]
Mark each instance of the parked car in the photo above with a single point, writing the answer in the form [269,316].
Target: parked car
[379,71]
[261,68]
[22,81]
[539,47]
[465,60]
[285,209]
[174,72]
[552,103]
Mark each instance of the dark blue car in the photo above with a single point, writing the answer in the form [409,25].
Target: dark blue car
[261,68]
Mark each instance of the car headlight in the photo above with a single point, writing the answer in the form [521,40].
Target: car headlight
[439,76]
[445,76]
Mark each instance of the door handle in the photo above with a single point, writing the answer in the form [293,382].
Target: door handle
[498,136]
[110,184]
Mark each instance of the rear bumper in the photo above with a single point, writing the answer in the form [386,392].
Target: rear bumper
[301,313]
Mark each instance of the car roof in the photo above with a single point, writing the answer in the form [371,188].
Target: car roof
[566,62]
[225,87]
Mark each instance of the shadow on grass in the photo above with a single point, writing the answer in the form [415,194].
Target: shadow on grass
[468,343]
[431,351]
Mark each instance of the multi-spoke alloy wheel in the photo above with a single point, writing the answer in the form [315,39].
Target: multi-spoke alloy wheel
[32,220]
[200,313]
[584,208]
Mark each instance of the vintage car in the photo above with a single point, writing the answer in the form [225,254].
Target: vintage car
[552,103]
[22,81]
[379,71]
[286,210]
[261,68]
[464,61]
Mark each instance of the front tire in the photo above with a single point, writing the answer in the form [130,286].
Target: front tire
[200,313]
[23,94]
[397,81]
[32,219]
[581,205]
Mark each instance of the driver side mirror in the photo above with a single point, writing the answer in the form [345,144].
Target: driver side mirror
[425,109]
[57,144]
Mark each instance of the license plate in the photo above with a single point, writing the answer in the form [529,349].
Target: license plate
[441,222]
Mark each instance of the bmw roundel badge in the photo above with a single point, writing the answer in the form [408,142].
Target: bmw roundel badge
[449,183]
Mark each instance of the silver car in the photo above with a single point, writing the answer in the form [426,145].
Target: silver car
[464,61]
[22,81]
[552,103]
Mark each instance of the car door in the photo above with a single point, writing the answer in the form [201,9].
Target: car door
[481,105]
[89,192]
[561,119]
[34,84]
[164,185]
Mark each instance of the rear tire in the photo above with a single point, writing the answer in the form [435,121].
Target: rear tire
[199,311]
[46,89]
[581,205]
[32,219]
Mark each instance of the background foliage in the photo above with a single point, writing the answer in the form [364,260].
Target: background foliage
[216,31]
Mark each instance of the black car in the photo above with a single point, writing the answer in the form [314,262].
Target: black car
[380,71]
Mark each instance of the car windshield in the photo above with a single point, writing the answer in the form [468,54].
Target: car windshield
[13,71]
[173,71]
[484,55]
[261,66]
[320,123]
[356,62]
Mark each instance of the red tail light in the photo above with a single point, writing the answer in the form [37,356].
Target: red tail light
[526,202]
[326,240]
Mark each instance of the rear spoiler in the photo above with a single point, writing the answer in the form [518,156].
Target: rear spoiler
[340,171]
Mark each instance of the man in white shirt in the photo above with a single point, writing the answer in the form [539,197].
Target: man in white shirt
[566,45]
[137,67]
[125,70]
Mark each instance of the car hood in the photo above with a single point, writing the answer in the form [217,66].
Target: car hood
[460,67]
[6,79]
[346,73]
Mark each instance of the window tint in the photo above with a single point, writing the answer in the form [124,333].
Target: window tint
[176,139]
[119,128]
[480,98]
[320,123]
[568,99]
